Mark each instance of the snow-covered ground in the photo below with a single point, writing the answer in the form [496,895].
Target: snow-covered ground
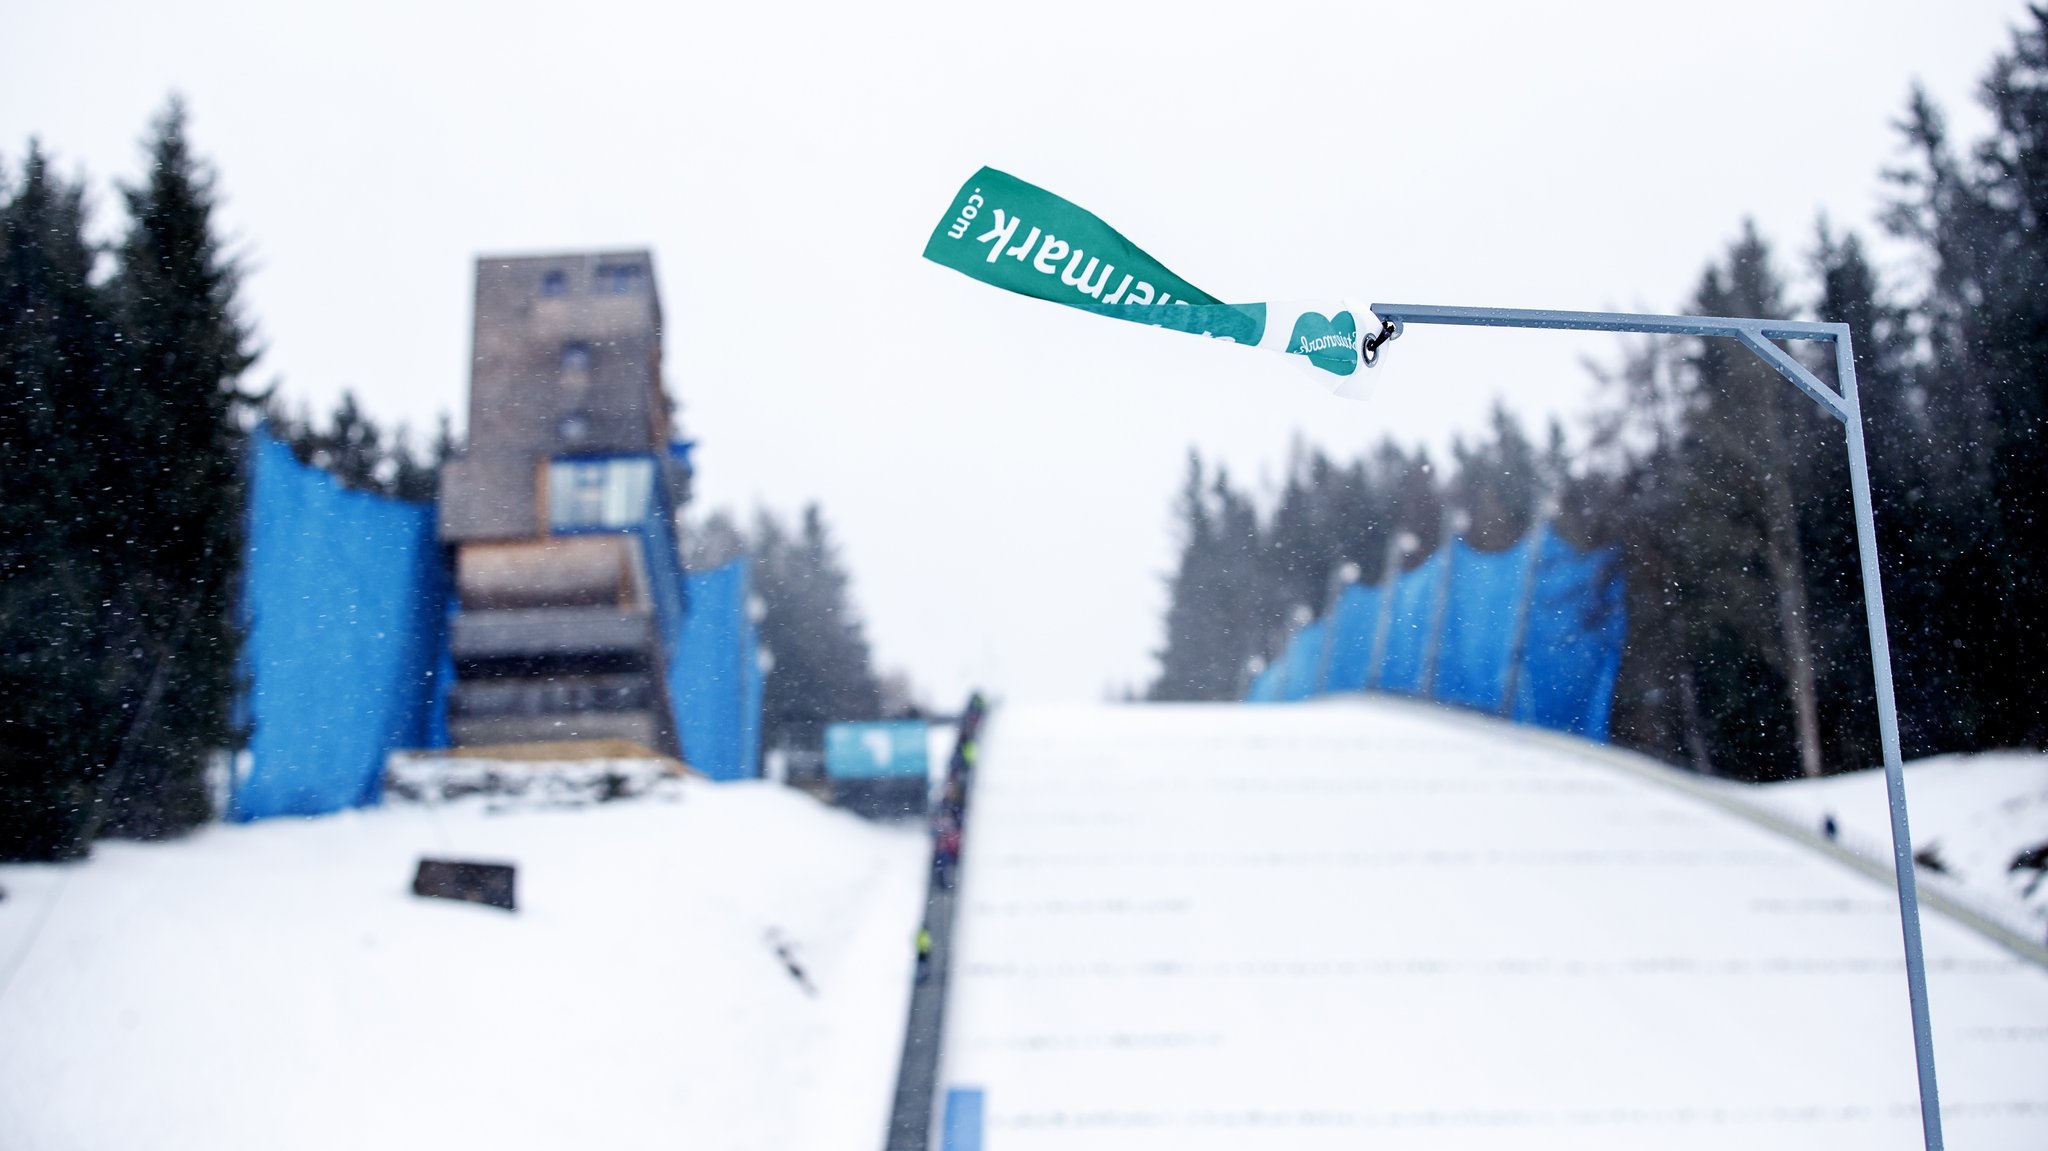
[277,985]
[1367,923]
[1972,813]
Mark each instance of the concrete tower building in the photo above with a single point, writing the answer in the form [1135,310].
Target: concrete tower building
[556,635]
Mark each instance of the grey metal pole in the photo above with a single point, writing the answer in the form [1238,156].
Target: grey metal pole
[1342,577]
[1758,335]
[1511,677]
[1888,739]
[1297,619]
[1454,525]
[1397,550]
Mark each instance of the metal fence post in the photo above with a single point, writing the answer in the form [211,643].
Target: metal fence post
[1511,676]
[1760,336]
[1454,524]
[1341,578]
[1888,740]
[1399,545]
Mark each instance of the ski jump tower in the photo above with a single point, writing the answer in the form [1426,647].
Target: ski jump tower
[556,636]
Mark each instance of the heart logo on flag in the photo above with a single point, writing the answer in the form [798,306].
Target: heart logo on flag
[1330,344]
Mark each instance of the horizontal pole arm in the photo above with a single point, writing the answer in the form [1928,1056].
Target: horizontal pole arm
[1754,333]
[1606,322]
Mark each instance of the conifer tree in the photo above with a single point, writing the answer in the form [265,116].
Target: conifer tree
[55,671]
[1328,515]
[175,491]
[1251,612]
[1849,294]
[1749,463]
[1242,582]
[1638,503]
[355,450]
[1983,218]
[1499,483]
[822,672]
[1196,662]
[1418,501]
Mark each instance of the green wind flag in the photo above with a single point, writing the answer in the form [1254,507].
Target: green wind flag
[1022,238]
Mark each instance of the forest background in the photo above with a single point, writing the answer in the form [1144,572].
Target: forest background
[124,408]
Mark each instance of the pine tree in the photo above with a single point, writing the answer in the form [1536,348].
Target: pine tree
[353,449]
[176,492]
[1850,295]
[56,673]
[1635,500]
[1197,661]
[1750,461]
[1418,506]
[1242,582]
[1658,707]
[713,542]
[1499,483]
[1251,612]
[1982,219]
[823,671]
[414,477]
[1296,545]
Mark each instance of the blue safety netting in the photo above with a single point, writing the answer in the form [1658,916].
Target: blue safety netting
[1541,619]
[710,653]
[1479,634]
[1578,620]
[671,594]
[1404,667]
[1301,664]
[715,676]
[343,599]
[1265,685]
[1348,654]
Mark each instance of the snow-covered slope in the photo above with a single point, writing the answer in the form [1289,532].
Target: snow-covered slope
[276,985]
[1972,813]
[1366,923]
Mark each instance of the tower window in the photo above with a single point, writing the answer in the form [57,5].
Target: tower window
[575,357]
[599,493]
[554,282]
[619,279]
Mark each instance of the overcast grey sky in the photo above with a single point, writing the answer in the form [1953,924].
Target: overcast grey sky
[1000,470]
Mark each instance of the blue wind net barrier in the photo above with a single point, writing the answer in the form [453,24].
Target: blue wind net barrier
[343,600]
[1478,636]
[1571,650]
[714,675]
[711,652]
[1356,621]
[1404,663]
[1533,633]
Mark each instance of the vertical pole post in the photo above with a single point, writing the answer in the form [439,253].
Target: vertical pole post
[1388,575]
[1288,658]
[1511,676]
[1759,335]
[1248,674]
[1430,654]
[1888,738]
[1343,576]
[1322,685]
